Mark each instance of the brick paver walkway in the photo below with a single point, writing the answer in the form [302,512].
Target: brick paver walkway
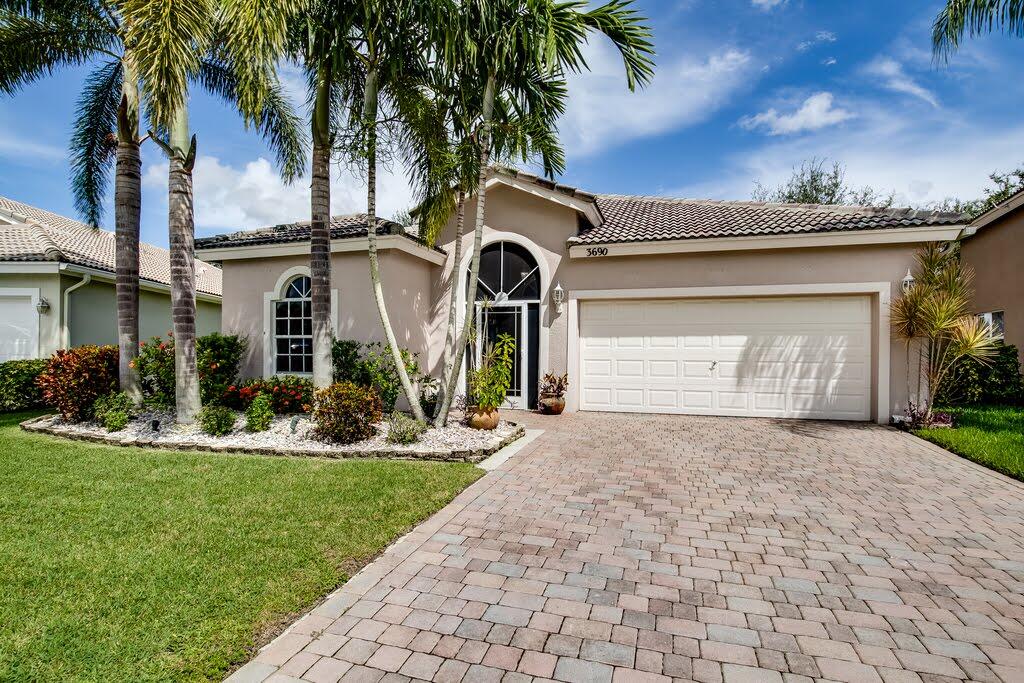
[650,548]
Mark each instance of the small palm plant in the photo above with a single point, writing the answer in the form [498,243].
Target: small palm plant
[933,318]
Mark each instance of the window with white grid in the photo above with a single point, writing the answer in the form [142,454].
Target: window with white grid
[293,328]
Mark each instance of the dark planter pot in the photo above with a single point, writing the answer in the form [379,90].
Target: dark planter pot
[483,419]
[552,405]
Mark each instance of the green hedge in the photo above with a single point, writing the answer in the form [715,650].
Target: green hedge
[18,388]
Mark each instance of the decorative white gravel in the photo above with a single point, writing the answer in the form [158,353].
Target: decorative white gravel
[281,437]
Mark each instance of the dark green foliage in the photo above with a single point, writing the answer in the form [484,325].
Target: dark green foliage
[259,414]
[973,383]
[371,365]
[403,429]
[18,387]
[217,358]
[346,413]
[216,420]
[488,385]
[813,183]
[113,410]
[94,142]
[288,393]
[75,378]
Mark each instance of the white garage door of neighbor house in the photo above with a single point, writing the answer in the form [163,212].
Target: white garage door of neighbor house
[19,328]
[806,357]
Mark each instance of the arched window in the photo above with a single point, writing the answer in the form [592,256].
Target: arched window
[293,327]
[508,272]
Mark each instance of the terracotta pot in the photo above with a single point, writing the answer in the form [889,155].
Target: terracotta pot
[552,405]
[483,419]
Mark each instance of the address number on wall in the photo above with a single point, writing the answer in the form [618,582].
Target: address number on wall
[597,251]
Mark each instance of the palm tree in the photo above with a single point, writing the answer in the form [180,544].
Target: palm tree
[501,46]
[36,39]
[973,18]
[234,47]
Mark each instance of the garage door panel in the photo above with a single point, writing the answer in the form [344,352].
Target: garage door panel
[797,357]
[19,327]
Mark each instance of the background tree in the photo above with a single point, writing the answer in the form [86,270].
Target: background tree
[501,48]
[974,17]
[1004,186]
[42,36]
[816,183]
[170,40]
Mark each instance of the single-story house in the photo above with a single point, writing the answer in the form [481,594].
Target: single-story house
[649,304]
[57,285]
[993,245]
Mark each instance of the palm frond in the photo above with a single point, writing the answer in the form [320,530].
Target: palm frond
[94,141]
[974,17]
[276,121]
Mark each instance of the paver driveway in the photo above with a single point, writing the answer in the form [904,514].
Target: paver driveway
[654,547]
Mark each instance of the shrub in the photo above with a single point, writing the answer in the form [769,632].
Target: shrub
[18,387]
[404,429]
[554,386]
[75,378]
[488,385]
[217,420]
[346,413]
[259,414]
[288,394]
[113,409]
[970,382]
[371,365]
[217,359]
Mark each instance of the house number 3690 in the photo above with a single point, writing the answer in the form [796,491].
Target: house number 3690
[597,251]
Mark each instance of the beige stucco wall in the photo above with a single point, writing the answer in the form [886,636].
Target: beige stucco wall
[407,282]
[49,288]
[996,253]
[548,225]
[93,314]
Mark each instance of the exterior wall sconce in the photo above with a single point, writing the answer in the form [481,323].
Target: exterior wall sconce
[42,306]
[558,298]
[908,281]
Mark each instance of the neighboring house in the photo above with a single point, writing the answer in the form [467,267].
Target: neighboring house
[649,304]
[993,245]
[57,285]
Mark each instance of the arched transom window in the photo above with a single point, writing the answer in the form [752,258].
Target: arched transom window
[508,272]
[293,328]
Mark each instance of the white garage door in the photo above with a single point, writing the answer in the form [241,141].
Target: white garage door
[771,357]
[19,328]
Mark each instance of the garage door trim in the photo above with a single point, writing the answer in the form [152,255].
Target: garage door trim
[880,290]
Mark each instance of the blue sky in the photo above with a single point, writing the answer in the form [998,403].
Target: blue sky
[745,90]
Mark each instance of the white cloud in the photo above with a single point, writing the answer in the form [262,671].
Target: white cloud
[21,148]
[602,113]
[819,38]
[891,75]
[816,112]
[830,61]
[229,198]
[766,5]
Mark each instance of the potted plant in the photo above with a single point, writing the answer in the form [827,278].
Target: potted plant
[488,384]
[552,393]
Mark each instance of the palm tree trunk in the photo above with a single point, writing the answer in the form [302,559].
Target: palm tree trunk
[181,229]
[127,216]
[449,341]
[320,235]
[370,119]
[478,233]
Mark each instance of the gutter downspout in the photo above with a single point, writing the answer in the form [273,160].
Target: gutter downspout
[65,312]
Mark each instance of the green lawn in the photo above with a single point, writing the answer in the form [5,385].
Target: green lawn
[993,437]
[125,564]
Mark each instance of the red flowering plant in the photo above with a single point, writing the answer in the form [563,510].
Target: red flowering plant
[75,378]
[289,394]
[217,359]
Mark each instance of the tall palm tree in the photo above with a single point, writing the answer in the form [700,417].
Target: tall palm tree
[170,40]
[973,18]
[503,44]
[36,39]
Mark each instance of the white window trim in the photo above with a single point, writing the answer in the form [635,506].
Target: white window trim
[490,237]
[986,319]
[268,317]
[33,294]
[881,290]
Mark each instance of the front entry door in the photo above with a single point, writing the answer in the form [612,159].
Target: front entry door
[495,319]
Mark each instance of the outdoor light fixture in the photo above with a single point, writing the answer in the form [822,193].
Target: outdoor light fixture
[558,298]
[42,306]
[908,281]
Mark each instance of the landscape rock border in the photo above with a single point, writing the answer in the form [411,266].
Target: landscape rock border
[471,455]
